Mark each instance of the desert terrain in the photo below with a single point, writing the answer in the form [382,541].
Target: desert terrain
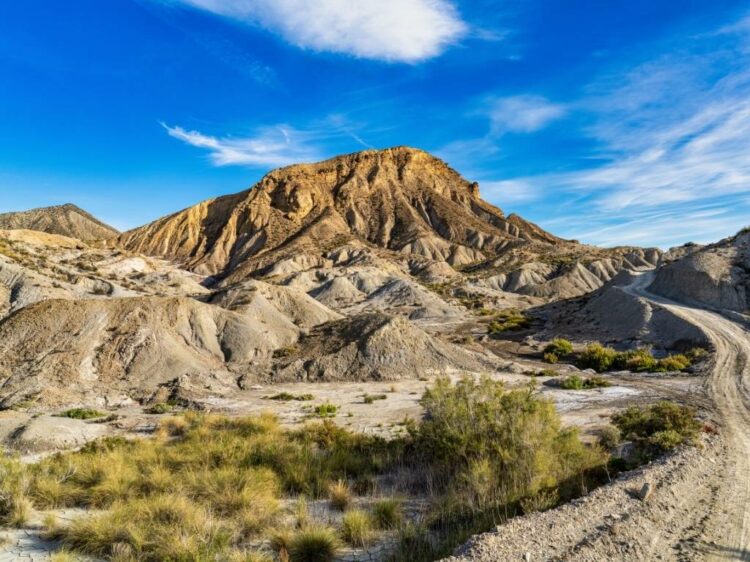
[364,294]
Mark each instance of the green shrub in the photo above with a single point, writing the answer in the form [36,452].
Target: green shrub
[658,428]
[287,396]
[357,528]
[479,432]
[387,513]
[602,359]
[673,363]
[559,347]
[370,398]
[550,358]
[326,410]
[82,414]
[609,437]
[574,382]
[509,321]
[159,408]
[597,357]
[314,544]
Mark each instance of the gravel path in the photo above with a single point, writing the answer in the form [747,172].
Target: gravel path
[700,505]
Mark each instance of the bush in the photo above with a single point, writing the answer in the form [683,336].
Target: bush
[550,358]
[357,528]
[340,495]
[559,347]
[387,514]
[159,408]
[509,321]
[658,428]
[602,359]
[480,435]
[81,414]
[286,396]
[597,357]
[609,437]
[314,544]
[326,410]
[574,382]
[370,398]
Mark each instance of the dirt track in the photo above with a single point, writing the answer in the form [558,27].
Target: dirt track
[700,507]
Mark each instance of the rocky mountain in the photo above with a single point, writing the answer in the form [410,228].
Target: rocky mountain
[65,220]
[717,275]
[369,266]
[401,199]
[399,205]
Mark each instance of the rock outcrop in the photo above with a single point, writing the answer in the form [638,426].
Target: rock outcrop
[717,275]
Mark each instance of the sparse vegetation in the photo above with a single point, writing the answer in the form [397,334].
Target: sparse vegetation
[559,347]
[160,408]
[574,382]
[509,321]
[357,528]
[82,414]
[15,506]
[657,428]
[371,398]
[287,397]
[326,410]
[206,487]
[601,359]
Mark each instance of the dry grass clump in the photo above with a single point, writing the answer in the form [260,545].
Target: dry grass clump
[387,513]
[357,528]
[314,544]
[15,505]
[340,495]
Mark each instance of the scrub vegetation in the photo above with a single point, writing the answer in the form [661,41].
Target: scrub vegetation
[208,487]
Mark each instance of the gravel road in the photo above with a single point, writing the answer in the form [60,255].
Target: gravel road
[700,506]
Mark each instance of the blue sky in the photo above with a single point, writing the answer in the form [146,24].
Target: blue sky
[618,122]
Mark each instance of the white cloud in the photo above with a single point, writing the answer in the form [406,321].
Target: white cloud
[269,147]
[522,114]
[390,30]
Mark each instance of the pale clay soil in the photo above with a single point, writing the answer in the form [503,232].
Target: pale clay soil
[697,511]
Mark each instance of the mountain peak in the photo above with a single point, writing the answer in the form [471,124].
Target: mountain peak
[399,199]
[66,220]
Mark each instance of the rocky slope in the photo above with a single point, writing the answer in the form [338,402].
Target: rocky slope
[717,275]
[399,199]
[402,205]
[66,220]
[369,266]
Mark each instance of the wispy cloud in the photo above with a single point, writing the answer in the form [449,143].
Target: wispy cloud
[522,114]
[390,30]
[672,156]
[268,147]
